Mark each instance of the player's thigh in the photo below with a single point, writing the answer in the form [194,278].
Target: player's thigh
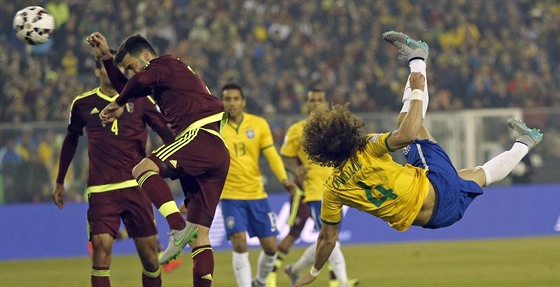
[261,219]
[144,165]
[103,213]
[147,248]
[476,174]
[137,214]
[235,214]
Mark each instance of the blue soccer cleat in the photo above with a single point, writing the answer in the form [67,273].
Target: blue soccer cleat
[408,47]
[525,135]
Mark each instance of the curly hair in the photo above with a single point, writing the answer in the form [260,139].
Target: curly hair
[331,136]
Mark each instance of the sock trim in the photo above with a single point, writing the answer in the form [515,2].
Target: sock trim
[154,274]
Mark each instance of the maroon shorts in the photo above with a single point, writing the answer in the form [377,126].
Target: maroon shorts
[201,163]
[301,217]
[106,209]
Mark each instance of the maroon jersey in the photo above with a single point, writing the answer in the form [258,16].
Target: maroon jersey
[179,92]
[116,148]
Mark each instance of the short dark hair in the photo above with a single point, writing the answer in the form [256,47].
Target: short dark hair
[233,86]
[133,45]
[98,63]
[316,90]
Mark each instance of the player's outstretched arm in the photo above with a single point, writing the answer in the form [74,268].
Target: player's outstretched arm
[67,152]
[325,245]
[110,113]
[412,122]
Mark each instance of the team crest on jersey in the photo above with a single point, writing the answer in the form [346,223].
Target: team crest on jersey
[130,107]
[230,222]
[373,138]
[250,134]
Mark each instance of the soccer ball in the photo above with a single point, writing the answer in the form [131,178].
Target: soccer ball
[33,25]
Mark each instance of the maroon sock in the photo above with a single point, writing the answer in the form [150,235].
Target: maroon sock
[159,193]
[203,266]
[150,281]
[100,277]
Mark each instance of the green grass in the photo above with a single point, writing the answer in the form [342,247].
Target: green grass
[507,262]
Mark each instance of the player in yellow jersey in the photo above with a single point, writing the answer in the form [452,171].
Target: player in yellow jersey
[426,192]
[244,201]
[310,177]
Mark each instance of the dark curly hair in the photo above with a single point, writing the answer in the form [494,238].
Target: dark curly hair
[331,136]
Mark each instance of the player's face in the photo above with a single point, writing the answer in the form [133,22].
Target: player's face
[101,73]
[234,103]
[132,64]
[315,100]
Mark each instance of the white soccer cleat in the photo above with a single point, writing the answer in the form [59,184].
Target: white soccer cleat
[293,276]
[178,239]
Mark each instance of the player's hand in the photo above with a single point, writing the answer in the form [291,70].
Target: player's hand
[58,195]
[305,280]
[289,186]
[417,81]
[110,113]
[183,209]
[99,44]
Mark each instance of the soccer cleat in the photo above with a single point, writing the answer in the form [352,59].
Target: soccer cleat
[256,283]
[271,279]
[351,282]
[293,276]
[525,135]
[178,239]
[408,47]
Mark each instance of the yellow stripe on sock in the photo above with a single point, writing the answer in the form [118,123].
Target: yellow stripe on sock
[144,177]
[168,208]
[99,273]
[198,251]
[154,274]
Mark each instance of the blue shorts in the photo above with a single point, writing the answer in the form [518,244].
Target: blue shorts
[453,194]
[253,216]
[315,210]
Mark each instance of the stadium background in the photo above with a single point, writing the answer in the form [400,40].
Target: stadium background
[489,60]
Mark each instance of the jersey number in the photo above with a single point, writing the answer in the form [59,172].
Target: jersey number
[239,149]
[377,201]
[115,127]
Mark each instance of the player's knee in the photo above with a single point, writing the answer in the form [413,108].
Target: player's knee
[143,166]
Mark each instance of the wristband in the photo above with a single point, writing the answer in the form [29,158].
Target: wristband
[416,94]
[314,271]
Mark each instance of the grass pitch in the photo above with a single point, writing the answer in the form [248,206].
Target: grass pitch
[504,262]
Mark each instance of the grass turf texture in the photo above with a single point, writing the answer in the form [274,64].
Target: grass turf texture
[505,262]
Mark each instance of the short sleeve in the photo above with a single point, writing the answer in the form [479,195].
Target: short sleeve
[377,144]
[331,208]
[291,144]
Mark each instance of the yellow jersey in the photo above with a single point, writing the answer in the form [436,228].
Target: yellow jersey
[374,183]
[316,174]
[246,141]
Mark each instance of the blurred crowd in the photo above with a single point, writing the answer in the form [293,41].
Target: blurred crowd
[483,54]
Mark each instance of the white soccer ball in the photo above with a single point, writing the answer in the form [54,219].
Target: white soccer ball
[33,25]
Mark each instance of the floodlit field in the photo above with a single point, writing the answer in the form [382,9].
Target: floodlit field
[509,262]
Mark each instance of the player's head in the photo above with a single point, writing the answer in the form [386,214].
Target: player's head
[100,71]
[332,136]
[134,54]
[233,99]
[316,99]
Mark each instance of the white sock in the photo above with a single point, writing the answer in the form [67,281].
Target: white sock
[265,265]
[500,166]
[339,265]
[306,259]
[242,269]
[416,66]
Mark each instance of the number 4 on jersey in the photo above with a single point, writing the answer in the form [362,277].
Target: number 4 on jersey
[379,200]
